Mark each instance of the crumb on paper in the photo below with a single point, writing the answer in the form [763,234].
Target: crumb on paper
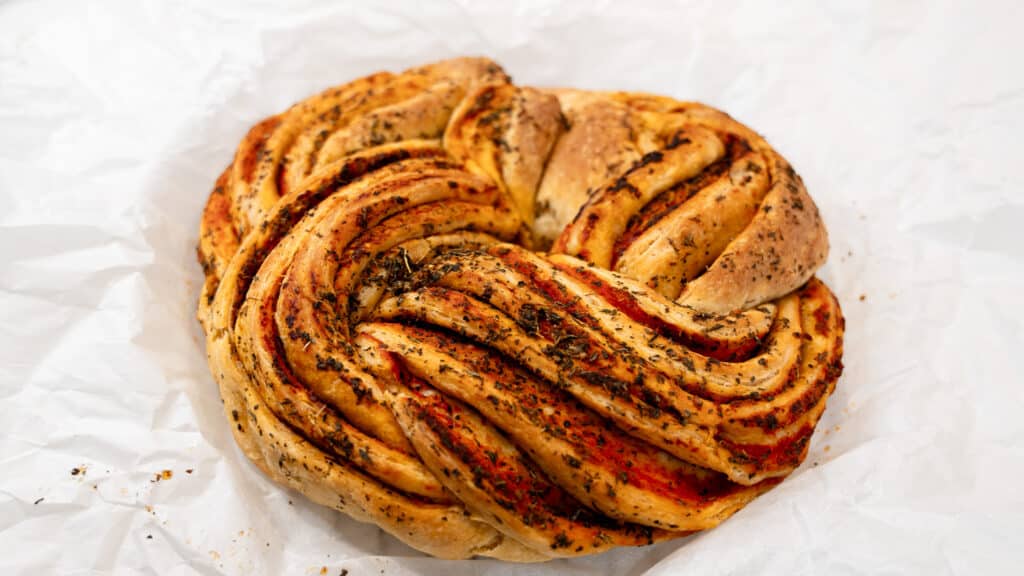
[214,554]
[827,448]
[149,536]
[78,471]
[162,475]
[323,569]
[863,297]
[188,470]
[344,572]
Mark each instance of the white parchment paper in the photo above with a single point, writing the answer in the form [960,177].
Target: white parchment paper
[904,118]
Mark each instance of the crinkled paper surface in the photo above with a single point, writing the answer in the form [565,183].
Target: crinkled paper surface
[904,118]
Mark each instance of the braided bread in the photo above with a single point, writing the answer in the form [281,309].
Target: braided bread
[515,322]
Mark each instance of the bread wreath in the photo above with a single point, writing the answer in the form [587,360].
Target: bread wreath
[515,322]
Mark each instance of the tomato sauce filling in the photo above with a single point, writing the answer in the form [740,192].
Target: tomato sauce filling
[514,483]
[786,452]
[626,303]
[597,442]
[666,202]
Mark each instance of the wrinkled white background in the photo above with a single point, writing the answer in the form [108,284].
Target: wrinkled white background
[904,119]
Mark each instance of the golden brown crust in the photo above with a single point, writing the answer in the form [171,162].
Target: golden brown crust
[776,253]
[386,343]
[506,132]
[598,144]
[751,234]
